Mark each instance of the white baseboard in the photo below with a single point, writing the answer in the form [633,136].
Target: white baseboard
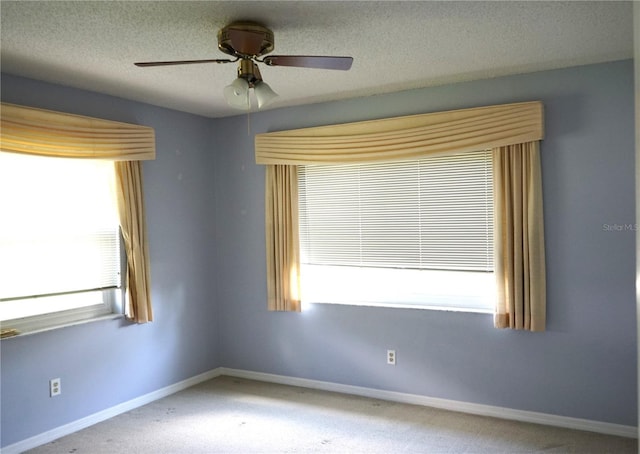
[103,415]
[445,404]
[453,405]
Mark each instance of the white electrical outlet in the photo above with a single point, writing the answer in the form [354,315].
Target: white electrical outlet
[55,387]
[391,357]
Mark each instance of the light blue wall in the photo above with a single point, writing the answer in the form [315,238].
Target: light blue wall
[205,208]
[584,366]
[105,363]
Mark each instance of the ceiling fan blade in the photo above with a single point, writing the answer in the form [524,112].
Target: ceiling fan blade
[308,61]
[182,62]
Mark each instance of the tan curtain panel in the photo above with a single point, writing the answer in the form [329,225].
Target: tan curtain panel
[46,133]
[283,259]
[519,238]
[403,138]
[132,223]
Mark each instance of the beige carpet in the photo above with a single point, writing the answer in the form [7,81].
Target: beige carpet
[230,415]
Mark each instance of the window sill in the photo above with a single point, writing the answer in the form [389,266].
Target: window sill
[307,305]
[28,332]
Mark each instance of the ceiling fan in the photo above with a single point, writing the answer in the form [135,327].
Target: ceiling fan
[248,42]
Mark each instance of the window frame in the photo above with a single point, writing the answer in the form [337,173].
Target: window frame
[111,307]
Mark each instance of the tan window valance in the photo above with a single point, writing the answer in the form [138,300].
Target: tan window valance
[47,133]
[400,138]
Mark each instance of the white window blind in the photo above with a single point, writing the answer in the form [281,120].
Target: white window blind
[59,235]
[58,263]
[433,214]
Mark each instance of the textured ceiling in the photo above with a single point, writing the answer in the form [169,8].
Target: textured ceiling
[396,45]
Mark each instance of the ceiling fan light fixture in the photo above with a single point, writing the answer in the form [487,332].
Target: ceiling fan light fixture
[237,94]
[264,94]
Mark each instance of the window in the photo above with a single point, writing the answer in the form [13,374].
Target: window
[411,233]
[60,258]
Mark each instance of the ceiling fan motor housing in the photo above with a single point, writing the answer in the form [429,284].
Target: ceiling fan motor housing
[245,40]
